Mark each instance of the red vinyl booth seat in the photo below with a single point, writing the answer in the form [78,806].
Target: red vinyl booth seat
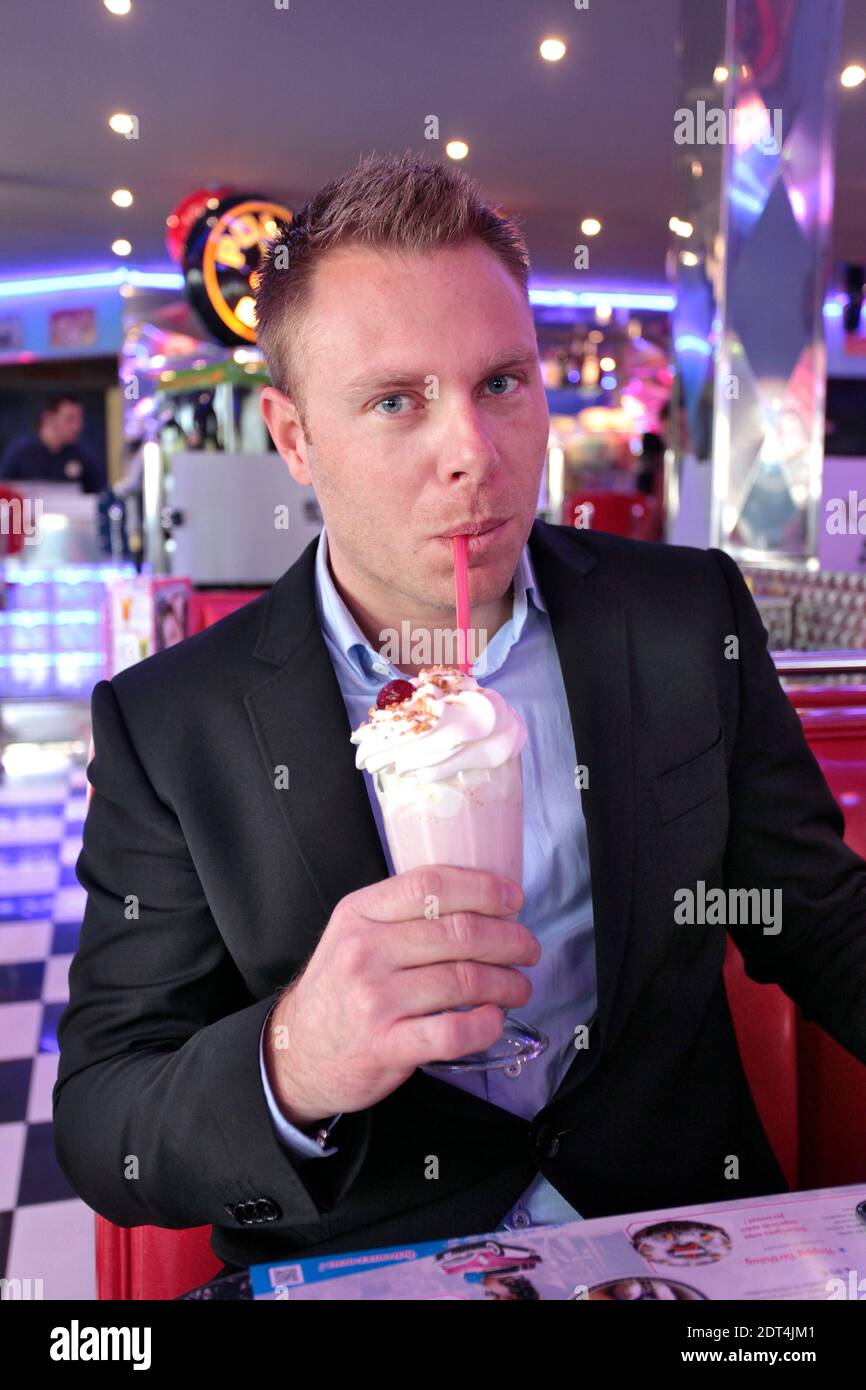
[209,605]
[147,1262]
[832,1083]
[809,1092]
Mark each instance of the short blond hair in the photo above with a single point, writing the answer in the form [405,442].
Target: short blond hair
[399,202]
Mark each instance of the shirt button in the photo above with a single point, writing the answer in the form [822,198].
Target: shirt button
[521,1219]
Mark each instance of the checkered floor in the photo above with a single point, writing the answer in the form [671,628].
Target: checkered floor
[46,1232]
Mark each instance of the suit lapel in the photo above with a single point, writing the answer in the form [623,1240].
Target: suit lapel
[300,722]
[590,630]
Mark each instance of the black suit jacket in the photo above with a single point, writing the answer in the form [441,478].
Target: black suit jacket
[698,770]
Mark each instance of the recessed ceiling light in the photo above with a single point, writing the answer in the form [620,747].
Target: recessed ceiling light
[118,6]
[853,75]
[688,258]
[457,149]
[607,364]
[720,73]
[681,228]
[122,198]
[590,226]
[121,247]
[121,123]
[552,50]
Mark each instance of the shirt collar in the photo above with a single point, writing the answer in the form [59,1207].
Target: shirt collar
[339,626]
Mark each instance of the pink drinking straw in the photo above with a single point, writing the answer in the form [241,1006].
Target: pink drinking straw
[461,586]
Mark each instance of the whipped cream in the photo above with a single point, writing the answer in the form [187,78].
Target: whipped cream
[450,725]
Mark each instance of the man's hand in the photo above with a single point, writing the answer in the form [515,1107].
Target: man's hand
[366,1011]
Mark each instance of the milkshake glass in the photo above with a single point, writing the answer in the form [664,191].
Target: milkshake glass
[445,758]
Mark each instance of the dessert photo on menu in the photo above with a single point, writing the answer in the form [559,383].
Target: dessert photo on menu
[433,668]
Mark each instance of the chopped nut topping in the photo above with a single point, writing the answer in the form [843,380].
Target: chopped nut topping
[421,712]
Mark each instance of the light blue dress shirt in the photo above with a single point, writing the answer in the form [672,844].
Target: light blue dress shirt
[522,664]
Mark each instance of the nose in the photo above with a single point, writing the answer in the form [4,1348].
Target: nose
[465,448]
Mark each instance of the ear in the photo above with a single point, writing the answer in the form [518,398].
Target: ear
[284,424]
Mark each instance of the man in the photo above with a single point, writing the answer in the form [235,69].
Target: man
[255,999]
[52,454]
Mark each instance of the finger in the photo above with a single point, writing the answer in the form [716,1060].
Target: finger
[435,889]
[453,985]
[458,936]
[414,1042]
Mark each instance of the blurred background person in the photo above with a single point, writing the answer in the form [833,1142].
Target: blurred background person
[52,454]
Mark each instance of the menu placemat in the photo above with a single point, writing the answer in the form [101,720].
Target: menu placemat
[800,1245]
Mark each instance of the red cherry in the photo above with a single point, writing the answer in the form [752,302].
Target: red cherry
[394,693]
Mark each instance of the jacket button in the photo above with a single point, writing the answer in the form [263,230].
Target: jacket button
[547,1142]
[255,1213]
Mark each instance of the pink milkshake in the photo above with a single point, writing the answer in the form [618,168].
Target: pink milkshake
[445,762]
[444,755]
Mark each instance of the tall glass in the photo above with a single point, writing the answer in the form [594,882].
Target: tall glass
[473,819]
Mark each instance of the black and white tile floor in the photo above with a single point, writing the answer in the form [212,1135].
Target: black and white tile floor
[46,1232]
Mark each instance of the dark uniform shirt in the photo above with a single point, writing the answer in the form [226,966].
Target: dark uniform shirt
[28,458]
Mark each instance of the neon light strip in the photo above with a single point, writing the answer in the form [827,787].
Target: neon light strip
[83,574]
[690,342]
[590,299]
[557,297]
[28,617]
[562,297]
[37,659]
[93,280]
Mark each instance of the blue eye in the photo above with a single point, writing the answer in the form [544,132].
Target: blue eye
[388,401]
[503,378]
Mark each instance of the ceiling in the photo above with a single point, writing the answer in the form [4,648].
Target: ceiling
[280,100]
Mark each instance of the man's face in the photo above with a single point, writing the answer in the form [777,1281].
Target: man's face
[426,411]
[68,422]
